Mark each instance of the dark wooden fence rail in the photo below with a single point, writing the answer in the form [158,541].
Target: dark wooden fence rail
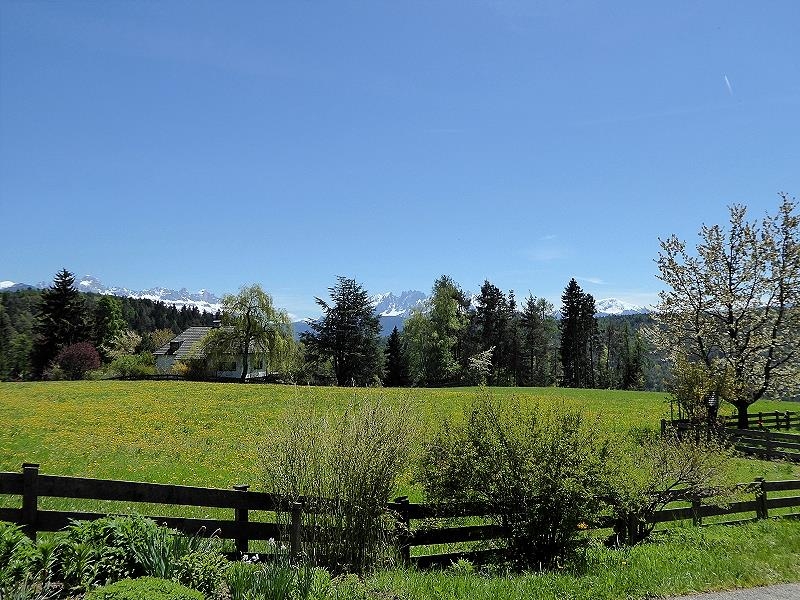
[31,485]
[426,534]
[767,444]
[767,420]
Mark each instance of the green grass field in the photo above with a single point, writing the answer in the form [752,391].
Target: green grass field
[208,434]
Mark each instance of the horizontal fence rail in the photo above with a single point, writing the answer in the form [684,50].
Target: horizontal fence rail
[767,444]
[767,420]
[419,525]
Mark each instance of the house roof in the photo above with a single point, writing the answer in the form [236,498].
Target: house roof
[181,345]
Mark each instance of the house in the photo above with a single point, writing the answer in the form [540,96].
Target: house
[187,345]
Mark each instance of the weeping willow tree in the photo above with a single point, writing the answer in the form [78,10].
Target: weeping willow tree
[734,304]
[253,329]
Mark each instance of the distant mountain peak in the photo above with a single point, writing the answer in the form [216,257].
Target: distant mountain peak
[390,305]
[614,307]
[203,299]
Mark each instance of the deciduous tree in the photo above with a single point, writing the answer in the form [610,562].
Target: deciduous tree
[252,328]
[734,304]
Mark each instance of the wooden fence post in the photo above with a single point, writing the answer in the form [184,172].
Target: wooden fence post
[788,421]
[770,444]
[761,499]
[663,428]
[403,529]
[241,516]
[30,498]
[697,519]
[295,539]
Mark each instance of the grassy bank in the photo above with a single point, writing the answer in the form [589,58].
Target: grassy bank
[679,561]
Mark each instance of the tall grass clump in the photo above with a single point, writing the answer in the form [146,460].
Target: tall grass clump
[540,470]
[344,468]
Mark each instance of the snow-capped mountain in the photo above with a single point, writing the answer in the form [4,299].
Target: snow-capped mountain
[614,307]
[389,305]
[202,299]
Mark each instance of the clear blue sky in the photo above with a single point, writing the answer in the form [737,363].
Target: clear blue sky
[215,144]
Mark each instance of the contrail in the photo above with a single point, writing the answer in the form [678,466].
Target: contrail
[728,83]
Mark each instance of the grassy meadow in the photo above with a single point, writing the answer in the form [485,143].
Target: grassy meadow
[208,434]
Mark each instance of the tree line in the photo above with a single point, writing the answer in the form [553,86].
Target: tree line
[458,340]
[452,340]
[35,325]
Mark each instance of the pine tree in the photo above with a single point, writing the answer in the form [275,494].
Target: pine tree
[578,337]
[348,333]
[538,341]
[61,320]
[396,361]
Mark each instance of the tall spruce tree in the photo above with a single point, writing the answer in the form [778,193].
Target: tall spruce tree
[538,342]
[578,337]
[396,361]
[61,321]
[348,333]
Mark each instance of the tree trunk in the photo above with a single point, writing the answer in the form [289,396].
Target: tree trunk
[741,417]
[243,377]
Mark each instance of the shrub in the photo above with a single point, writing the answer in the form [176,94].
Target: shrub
[201,570]
[15,548]
[102,551]
[653,471]
[77,359]
[145,587]
[194,369]
[353,460]
[160,550]
[133,366]
[539,471]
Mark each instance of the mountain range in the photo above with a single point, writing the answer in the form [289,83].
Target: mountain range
[391,308]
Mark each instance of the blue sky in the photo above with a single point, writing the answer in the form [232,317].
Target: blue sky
[214,144]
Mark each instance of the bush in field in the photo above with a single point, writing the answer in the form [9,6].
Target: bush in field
[354,460]
[653,471]
[540,470]
[150,588]
[133,366]
[77,359]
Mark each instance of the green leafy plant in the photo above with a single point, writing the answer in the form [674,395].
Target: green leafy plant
[201,570]
[151,588]
[14,548]
[539,471]
[274,580]
[353,462]
[653,471]
[160,550]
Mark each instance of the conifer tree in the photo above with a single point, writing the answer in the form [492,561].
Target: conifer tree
[61,320]
[348,333]
[396,361]
[578,337]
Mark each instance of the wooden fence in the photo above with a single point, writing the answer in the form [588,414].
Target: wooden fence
[420,525]
[32,486]
[761,442]
[767,420]
[428,533]
[767,444]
